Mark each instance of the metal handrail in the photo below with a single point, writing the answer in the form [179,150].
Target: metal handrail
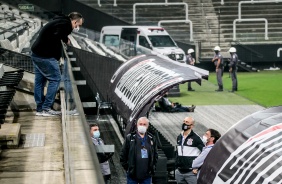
[253,2]
[255,19]
[99,3]
[222,1]
[250,20]
[68,134]
[158,4]
[208,29]
[174,21]
[278,52]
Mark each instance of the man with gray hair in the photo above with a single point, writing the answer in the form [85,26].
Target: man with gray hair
[189,147]
[139,154]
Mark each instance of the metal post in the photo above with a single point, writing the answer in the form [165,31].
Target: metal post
[197,50]
[18,42]
[219,27]
[278,52]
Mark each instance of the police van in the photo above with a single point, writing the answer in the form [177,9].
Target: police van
[154,38]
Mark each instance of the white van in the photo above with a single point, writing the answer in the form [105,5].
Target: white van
[151,37]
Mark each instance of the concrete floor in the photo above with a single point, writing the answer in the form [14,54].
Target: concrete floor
[35,164]
[219,117]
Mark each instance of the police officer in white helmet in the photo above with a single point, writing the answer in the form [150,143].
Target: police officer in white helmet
[219,64]
[190,61]
[233,68]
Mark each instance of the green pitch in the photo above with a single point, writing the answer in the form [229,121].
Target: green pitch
[263,88]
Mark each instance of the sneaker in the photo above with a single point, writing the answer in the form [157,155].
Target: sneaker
[39,113]
[73,112]
[192,108]
[50,112]
[190,89]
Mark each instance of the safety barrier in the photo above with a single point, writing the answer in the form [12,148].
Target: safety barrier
[158,4]
[248,20]
[179,21]
[255,19]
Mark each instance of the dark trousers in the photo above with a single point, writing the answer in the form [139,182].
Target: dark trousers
[219,78]
[189,85]
[234,79]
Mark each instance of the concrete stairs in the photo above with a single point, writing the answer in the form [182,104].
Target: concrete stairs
[204,31]
[250,32]
[209,27]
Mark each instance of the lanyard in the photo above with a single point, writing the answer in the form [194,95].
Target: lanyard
[143,141]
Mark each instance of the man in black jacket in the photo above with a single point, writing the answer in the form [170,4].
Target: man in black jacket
[189,146]
[139,154]
[46,51]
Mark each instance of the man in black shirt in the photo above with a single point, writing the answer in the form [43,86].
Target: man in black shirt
[139,154]
[46,51]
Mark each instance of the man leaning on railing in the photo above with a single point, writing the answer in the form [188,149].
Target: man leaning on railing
[46,52]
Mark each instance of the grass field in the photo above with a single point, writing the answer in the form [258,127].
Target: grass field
[263,88]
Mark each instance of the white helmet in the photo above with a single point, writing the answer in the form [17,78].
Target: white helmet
[190,51]
[232,49]
[217,48]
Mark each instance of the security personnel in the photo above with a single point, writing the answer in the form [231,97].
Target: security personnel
[190,61]
[233,68]
[219,64]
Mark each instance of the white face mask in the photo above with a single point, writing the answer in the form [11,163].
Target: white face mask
[76,29]
[205,139]
[142,129]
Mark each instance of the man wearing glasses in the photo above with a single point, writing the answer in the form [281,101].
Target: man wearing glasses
[189,147]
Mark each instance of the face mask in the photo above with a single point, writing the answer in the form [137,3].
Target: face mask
[76,29]
[205,139]
[142,129]
[96,134]
[185,127]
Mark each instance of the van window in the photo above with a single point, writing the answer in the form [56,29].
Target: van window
[143,42]
[111,40]
[161,41]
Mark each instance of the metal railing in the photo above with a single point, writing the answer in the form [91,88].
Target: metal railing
[80,159]
[99,3]
[208,29]
[253,2]
[179,21]
[251,20]
[254,19]
[158,4]
[222,1]
[278,52]
[115,2]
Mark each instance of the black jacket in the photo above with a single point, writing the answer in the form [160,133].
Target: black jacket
[128,154]
[48,44]
[192,147]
